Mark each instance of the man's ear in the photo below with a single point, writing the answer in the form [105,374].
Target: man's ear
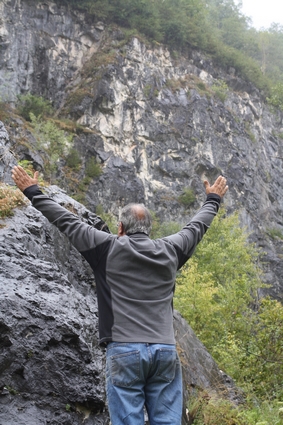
[121,231]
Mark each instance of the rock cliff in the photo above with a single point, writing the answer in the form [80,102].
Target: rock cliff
[157,124]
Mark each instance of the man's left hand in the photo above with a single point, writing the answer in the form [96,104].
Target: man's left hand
[22,179]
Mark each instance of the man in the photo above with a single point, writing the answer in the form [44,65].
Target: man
[135,278]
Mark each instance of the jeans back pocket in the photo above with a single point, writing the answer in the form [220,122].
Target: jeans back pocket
[167,364]
[125,368]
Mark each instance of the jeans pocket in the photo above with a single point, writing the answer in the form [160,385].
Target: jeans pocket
[125,368]
[167,364]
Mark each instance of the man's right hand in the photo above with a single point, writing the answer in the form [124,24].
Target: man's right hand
[22,179]
[219,187]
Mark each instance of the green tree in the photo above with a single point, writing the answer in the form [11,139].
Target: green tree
[93,168]
[218,286]
[188,197]
[263,367]
[276,96]
[228,23]
[217,292]
[31,104]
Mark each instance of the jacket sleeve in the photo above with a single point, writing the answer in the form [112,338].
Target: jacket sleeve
[82,235]
[185,241]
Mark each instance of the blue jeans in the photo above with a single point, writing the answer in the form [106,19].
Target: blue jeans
[139,375]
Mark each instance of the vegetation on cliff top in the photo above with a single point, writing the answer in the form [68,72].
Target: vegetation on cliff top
[216,27]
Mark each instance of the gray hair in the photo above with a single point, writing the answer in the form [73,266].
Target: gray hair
[136,218]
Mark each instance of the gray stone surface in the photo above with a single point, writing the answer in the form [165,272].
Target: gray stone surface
[51,368]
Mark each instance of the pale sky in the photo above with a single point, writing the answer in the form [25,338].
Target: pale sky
[263,12]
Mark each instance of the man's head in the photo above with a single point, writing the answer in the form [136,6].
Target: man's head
[134,218]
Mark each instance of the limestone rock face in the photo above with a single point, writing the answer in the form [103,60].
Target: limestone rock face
[51,368]
[157,125]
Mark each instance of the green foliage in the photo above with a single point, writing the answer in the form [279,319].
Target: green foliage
[187,198]
[217,294]
[109,218]
[32,104]
[201,86]
[209,409]
[220,89]
[276,96]
[249,132]
[264,368]
[51,140]
[10,198]
[244,65]
[11,390]
[73,159]
[93,168]
[275,233]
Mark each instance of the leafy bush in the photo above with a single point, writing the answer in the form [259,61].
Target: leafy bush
[220,89]
[50,139]
[10,198]
[93,168]
[187,198]
[263,368]
[276,96]
[217,292]
[31,104]
[73,159]
[208,409]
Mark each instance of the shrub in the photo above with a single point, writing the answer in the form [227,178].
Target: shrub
[187,198]
[73,159]
[36,105]
[220,90]
[52,140]
[217,293]
[276,96]
[93,168]
[10,198]
[208,409]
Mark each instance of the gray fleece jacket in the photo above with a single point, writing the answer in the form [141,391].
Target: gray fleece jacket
[135,276]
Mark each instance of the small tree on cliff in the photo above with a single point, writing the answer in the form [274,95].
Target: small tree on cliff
[217,293]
